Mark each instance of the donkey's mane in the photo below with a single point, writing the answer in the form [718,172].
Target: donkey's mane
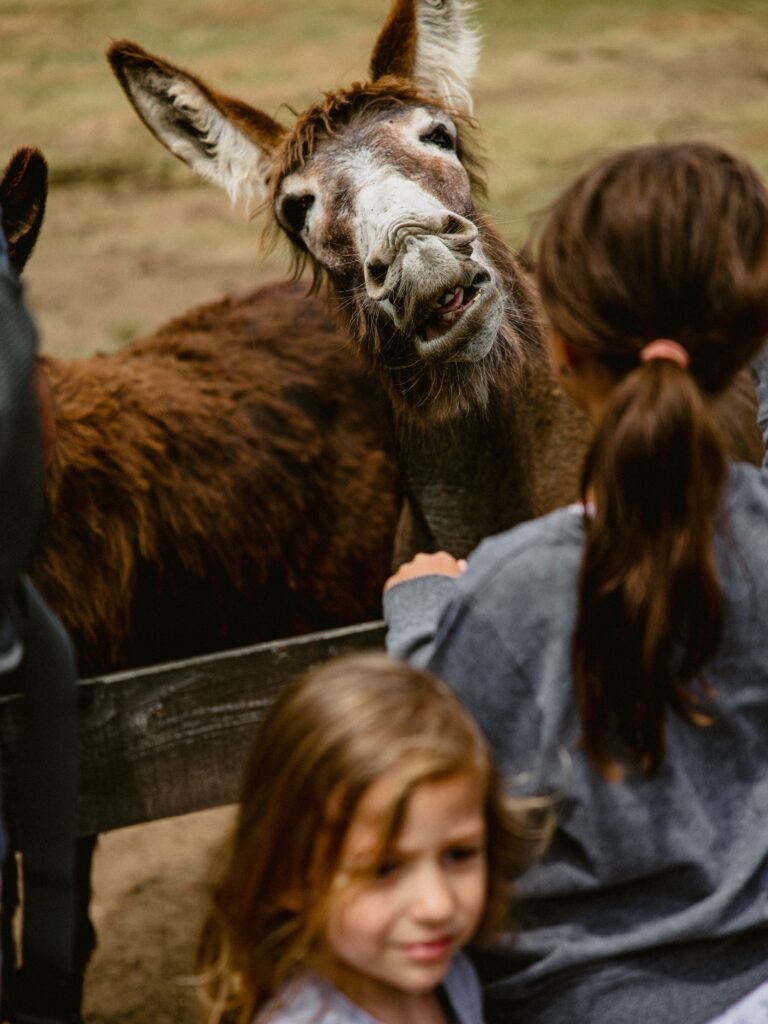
[340,107]
[330,117]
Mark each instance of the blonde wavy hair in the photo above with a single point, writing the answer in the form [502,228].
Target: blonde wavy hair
[323,743]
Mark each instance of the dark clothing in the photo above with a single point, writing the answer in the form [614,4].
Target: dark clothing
[21,463]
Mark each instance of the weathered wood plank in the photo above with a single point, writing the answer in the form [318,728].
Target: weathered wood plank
[171,739]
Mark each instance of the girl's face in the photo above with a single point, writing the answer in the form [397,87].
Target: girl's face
[394,933]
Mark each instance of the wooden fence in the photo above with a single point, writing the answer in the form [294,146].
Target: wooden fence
[172,738]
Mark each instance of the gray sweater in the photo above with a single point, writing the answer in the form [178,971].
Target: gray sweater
[652,903]
[314,1001]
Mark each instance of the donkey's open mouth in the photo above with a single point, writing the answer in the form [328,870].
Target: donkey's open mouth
[449,308]
[455,321]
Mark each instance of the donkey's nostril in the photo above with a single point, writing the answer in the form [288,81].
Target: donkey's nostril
[480,278]
[377,272]
[452,226]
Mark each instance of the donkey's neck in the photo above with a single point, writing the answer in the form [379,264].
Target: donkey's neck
[482,446]
[464,479]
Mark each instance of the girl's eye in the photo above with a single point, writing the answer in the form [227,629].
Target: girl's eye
[387,868]
[294,210]
[463,854]
[439,136]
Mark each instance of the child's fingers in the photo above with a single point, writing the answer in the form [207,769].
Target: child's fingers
[438,563]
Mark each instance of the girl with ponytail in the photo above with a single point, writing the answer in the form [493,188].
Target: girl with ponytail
[631,631]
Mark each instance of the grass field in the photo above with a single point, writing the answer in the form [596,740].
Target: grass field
[131,237]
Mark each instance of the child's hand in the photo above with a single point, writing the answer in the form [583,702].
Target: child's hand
[439,563]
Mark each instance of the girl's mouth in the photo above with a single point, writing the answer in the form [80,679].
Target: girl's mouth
[430,952]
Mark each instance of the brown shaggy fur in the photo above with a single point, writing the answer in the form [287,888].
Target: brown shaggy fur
[223,481]
[339,108]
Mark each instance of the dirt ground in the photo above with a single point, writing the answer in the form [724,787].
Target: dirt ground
[131,239]
[149,888]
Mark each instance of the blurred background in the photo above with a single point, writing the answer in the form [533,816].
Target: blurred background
[132,237]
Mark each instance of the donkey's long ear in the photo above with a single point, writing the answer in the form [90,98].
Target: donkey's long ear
[223,140]
[23,191]
[432,43]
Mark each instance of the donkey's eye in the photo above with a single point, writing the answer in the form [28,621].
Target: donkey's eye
[439,136]
[294,210]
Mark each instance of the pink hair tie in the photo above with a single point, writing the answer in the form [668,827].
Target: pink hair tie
[665,348]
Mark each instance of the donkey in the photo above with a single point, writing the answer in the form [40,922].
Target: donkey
[376,187]
[206,482]
[208,486]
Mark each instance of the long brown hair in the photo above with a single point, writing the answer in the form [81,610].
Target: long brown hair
[663,241]
[323,743]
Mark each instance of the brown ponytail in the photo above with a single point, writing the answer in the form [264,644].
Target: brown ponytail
[650,613]
[657,242]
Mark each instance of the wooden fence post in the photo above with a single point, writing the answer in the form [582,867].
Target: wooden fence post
[171,739]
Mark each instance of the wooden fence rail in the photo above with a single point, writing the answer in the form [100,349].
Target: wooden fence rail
[171,739]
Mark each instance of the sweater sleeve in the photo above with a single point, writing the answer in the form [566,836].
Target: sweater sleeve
[499,634]
[440,623]
[412,610]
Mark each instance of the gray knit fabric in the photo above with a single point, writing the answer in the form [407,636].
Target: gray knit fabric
[652,904]
[313,1001]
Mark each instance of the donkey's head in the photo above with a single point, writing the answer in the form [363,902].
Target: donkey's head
[23,191]
[375,186]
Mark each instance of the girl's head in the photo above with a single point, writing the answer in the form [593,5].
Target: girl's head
[372,836]
[659,242]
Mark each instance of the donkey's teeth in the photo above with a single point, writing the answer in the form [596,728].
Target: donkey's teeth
[450,300]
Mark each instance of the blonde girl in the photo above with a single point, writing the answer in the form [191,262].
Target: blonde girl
[372,843]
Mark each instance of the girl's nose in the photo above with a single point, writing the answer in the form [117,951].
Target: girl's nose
[434,898]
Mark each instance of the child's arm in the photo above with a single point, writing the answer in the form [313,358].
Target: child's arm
[759,370]
[412,609]
[414,597]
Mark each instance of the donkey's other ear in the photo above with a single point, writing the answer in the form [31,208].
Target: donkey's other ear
[220,138]
[432,43]
[23,191]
